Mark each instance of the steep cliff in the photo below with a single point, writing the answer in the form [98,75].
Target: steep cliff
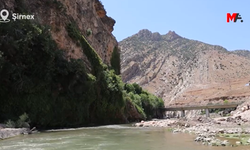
[181,71]
[62,68]
[89,15]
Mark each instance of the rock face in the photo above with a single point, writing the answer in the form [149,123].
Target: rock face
[242,113]
[83,31]
[183,71]
[89,15]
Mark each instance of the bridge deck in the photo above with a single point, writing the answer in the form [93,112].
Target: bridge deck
[201,107]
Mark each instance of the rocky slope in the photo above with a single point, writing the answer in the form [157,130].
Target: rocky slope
[181,70]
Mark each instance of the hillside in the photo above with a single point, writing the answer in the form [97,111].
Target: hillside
[62,68]
[184,71]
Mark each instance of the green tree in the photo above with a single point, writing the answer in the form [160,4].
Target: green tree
[129,88]
[116,61]
[138,89]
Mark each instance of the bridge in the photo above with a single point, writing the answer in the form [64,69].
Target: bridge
[199,107]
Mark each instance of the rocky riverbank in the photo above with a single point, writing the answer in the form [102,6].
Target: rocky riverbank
[232,130]
[209,133]
[11,132]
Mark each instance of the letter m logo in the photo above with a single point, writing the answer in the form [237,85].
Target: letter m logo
[233,17]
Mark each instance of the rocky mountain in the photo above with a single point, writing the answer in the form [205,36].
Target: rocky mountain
[181,70]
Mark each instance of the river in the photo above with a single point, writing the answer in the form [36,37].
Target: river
[112,137]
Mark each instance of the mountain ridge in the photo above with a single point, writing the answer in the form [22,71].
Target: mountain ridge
[170,66]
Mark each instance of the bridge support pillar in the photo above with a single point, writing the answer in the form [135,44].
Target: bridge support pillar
[182,113]
[207,113]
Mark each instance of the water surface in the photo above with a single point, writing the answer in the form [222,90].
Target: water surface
[113,137]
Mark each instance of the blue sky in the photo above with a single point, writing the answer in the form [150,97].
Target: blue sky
[203,20]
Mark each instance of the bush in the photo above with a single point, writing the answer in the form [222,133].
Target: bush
[23,121]
[20,123]
[147,103]
[226,101]
[10,124]
[89,32]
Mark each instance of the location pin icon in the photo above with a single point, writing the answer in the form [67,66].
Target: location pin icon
[4,14]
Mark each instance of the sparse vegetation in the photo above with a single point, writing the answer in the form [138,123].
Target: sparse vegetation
[20,123]
[226,101]
[243,138]
[203,112]
[89,32]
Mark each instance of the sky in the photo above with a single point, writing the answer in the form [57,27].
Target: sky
[202,20]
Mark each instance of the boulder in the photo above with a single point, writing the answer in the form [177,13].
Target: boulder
[238,143]
[221,131]
[139,124]
[230,119]
[224,143]
[207,139]
[248,141]
[242,109]
[230,132]
[222,119]
[214,143]
[238,118]
[198,139]
[177,130]
[244,120]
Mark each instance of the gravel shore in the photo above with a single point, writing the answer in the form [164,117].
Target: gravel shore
[232,130]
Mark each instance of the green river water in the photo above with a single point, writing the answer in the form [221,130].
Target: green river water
[112,137]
